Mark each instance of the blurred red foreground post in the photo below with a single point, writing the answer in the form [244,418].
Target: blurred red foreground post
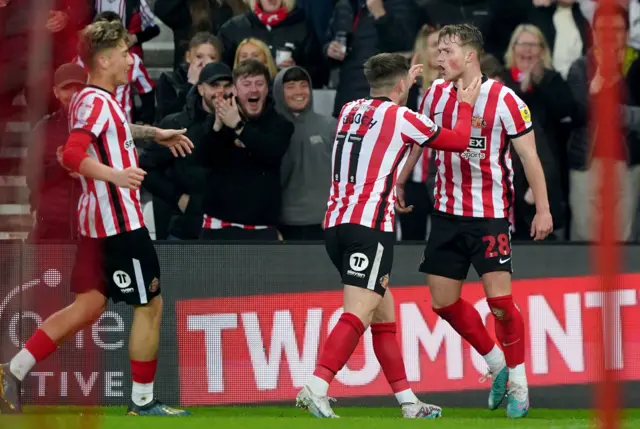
[608,149]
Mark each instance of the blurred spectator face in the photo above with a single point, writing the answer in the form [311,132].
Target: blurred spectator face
[527,51]
[65,93]
[615,27]
[204,54]
[430,53]
[297,95]
[252,93]
[249,51]
[211,91]
[451,59]
[270,5]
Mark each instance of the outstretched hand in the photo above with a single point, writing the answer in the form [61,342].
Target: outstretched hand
[175,140]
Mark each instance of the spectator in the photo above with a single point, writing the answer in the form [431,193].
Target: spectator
[137,18]
[419,187]
[496,19]
[54,192]
[492,67]
[306,167]
[180,182]
[244,152]
[138,79]
[359,31]
[283,27]
[318,13]
[173,87]
[256,49]
[187,17]
[528,61]
[586,82]
[566,30]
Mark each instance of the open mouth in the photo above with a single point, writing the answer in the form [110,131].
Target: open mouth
[253,102]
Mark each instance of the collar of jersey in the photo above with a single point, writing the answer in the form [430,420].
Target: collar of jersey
[484,79]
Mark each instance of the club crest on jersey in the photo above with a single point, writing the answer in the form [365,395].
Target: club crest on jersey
[359,118]
[477,146]
[129,144]
[478,122]
[525,113]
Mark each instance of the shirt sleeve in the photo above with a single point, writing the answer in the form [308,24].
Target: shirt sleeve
[418,128]
[514,114]
[146,15]
[140,77]
[90,114]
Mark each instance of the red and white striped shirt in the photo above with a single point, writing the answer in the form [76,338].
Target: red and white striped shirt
[420,172]
[371,146]
[213,223]
[104,209]
[138,78]
[479,181]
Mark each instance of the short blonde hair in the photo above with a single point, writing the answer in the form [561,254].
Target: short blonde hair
[270,63]
[99,36]
[288,4]
[531,29]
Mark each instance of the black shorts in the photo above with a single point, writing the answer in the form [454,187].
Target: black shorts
[122,267]
[457,242]
[362,255]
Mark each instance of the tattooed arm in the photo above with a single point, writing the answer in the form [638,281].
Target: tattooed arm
[175,140]
[143,132]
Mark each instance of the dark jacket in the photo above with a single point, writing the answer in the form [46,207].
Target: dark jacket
[394,32]
[294,30]
[168,177]
[244,183]
[580,142]
[54,193]
[175,14]
[171,92]
[496,19]
[542,17]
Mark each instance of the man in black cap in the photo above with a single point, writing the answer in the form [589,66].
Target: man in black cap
[54,192]
[177,183]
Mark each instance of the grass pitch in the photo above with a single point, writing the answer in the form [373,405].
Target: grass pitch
[289,418]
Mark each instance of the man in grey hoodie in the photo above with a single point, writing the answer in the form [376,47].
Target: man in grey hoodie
[306,167]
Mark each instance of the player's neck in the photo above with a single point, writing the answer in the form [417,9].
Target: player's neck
[393,96]
[101,82]
[470,75]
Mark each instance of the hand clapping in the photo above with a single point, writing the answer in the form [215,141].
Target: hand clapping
[228,112]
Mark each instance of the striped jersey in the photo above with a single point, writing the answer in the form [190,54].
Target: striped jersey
[479,181]
[104,209]
[138,78]
[372,144]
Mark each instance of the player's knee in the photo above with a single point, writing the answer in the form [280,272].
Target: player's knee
[502,308]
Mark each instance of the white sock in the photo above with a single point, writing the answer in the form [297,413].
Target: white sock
[318,386]
[21,364]
[142,394]
[518,375]
[495,359]
[406,397]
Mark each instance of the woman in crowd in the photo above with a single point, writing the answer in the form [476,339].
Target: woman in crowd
[172,87]
[419,189]
[255,49]
[530,75]
[284,29]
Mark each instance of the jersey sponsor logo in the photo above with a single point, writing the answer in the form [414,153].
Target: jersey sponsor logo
[129,144]
[359,118]
[525,113]
[121,279]
[477,146]
[478,122]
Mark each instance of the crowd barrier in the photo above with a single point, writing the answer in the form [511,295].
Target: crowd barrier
[243,324]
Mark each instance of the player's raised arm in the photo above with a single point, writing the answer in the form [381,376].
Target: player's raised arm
[422,131]
[175,140]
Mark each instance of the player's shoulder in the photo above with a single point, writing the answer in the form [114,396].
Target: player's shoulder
[491,85]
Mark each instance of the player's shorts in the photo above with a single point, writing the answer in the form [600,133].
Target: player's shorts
[362,255]
[457,242]
[122,267]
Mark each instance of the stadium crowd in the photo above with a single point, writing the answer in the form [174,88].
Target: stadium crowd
[275,54]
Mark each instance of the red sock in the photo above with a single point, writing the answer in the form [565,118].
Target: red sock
[385,346]
[143,372]
[339,346]
[40,345]
[466,321]
[509,328]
